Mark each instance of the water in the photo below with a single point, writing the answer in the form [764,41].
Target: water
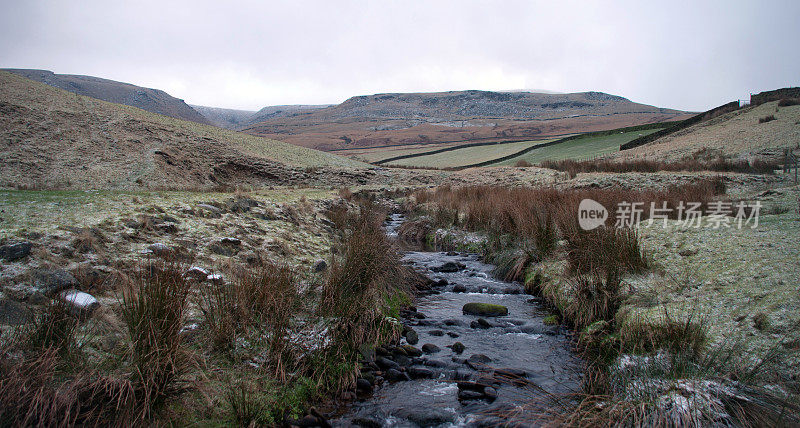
[541,355]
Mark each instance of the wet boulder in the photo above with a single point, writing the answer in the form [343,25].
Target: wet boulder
[420,373]
[485,309]
[412,337]
[430,348]
[449,267]
[411,351]
[458,347]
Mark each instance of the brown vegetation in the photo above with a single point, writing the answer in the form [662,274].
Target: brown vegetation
[573,167]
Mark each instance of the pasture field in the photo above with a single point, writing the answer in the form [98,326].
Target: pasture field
[467,155]
[581,148]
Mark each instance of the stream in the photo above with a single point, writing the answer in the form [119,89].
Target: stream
[506,363]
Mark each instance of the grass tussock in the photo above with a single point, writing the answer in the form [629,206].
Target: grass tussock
[766,119]
[365,286]
[257,303]
[153,308]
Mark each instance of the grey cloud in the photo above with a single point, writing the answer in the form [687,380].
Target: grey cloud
[686,55]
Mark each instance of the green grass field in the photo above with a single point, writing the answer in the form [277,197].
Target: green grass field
[467,155]
[581,148]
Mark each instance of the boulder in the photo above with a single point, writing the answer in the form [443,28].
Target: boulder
[478,361]
[229,240]
[420,373]
[485,309]
[14,252]
[459,288]
[159,249]
[430,348]
[449,267]
[197,273]
[80,303]
[411,351]
[412,337]
[396,375]
[458,347]
[14,313]
[51,281]
[363,385]
[320,266]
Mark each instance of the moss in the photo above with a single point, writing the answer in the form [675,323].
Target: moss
[551,320]
[485,309]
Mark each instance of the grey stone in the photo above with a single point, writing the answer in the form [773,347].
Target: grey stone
[159,249]
[420,373]
[209,208]
[14,313]
[449,267]
[320,266]
[396,375]
[430,348]
[363,385]
[412,337]
[51,281]
[229,240]
[386,364]
[14,252]
[82,304]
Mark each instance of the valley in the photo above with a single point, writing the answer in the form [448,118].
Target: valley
[430,268]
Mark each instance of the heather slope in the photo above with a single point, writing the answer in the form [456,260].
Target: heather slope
[50,138]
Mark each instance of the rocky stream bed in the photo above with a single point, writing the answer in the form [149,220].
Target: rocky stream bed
[478,365]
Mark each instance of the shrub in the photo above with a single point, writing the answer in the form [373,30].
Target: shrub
[522,163]
[786,102]
[766,118]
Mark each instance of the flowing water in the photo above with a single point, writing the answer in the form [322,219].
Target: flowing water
[517,356]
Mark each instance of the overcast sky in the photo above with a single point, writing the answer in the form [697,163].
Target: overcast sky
[689,55]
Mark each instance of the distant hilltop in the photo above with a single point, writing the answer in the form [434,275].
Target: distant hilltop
[152,100]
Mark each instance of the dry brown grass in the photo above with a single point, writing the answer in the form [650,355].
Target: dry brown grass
[573,167]
[153,308]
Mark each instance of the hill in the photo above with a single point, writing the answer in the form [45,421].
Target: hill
[239,119]
[433,118]
[737,134]
[224,117]
[152,100]
[50,138]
